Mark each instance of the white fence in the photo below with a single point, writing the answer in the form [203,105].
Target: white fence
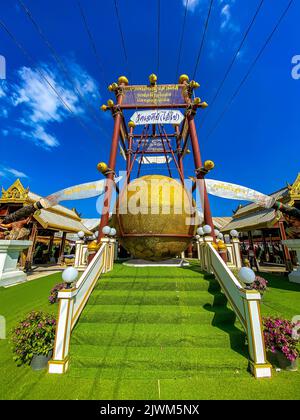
[244,302]
[72,302]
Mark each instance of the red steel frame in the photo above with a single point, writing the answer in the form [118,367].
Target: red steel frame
[191,109]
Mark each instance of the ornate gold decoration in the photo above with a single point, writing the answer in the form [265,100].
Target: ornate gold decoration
[209,165]
[102,167]
[295,191]
[93,246]
[153,78]
[16,193]
[123,80]
[204,105]
[110,103]
[183,78]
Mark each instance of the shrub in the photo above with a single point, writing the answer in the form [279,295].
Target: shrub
[54,292]
[34,335]
[260,284]
[278,336]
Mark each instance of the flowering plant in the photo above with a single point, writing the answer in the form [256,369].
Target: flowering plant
[260,284]
[34,335]
[54,292]
[278,336]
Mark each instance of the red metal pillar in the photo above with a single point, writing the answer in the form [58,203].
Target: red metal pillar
[112,166]
[129,152]
[179,155]
[287,255]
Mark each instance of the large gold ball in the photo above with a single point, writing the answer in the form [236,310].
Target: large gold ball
[131,124]
[151,208]
[123,80]
[102,167]
[110,103]
[209,165]
[183,78]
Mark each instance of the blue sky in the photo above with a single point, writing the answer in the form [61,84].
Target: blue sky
[256,143]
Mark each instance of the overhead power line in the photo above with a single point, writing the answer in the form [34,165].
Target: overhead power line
[59,61]
[92,41]
[203,37]
[158,36]
[211,103]
[181,40]
[44,78]
[122,36]
[258,56]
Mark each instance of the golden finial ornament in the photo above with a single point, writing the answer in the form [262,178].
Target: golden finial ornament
[183,78]
[204,104]
[209,165]
[103,107]
[131,124]
[102,167]
[110,103]
[93,246]
[110,88]
[197,101]
[123,80]
[153,79]
[194,84]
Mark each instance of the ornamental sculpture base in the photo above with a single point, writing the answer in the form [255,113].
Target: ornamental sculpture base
[294,245]
[9,255]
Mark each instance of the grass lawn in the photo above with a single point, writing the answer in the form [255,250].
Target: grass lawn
[148,334]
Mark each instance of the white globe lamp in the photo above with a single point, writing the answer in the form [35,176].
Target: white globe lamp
[197,237]
[207,229]
[234,233]
[200,231]
[69,275]
[106,230]
[217,232]
[113,232]
[246,275]
[221,236]
[80,234]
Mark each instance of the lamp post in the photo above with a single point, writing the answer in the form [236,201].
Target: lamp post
[247,276]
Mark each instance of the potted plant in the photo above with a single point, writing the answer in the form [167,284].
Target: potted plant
[54,292]
[280,344]
[33,340]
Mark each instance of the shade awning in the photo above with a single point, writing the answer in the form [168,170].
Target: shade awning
[50,220]
[260,219]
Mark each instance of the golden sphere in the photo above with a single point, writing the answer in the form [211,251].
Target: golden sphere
[183,78]
[159,206]
[123,80]
[131,124]
[153,78]
[110,88]
[209,165]
[110,103]
[93,246]
[204,105]
[102,167]
[197,101]
[194,85]
[103,108]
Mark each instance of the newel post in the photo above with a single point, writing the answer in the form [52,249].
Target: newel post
[60,360]
[236,253]
[259,365]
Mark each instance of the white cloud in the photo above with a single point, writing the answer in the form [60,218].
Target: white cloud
[226,17]
[192,4]
[7,172]
[40,106]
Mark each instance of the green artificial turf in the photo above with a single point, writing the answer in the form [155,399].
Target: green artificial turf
[149,333]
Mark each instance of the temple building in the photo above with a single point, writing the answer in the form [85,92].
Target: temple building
[263,229]
[50,230]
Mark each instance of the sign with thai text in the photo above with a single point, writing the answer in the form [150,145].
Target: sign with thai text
[165,116]
[153,95]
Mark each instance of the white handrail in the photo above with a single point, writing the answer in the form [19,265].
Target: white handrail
[72,302]
[246,305]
